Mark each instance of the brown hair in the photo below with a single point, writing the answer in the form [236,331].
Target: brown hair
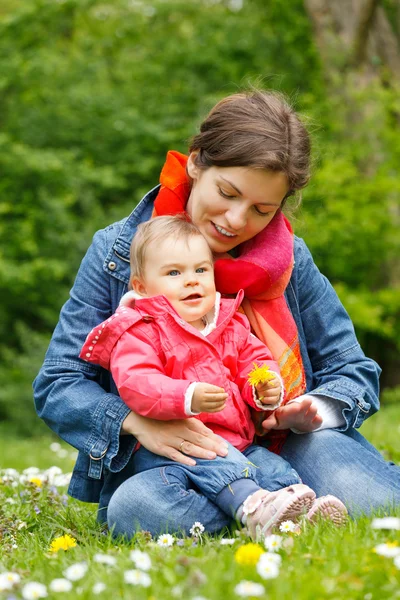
[157,230]
[255,129]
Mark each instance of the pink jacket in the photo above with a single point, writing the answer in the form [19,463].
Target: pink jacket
[154,356]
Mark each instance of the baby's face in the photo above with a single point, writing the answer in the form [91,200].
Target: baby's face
[183,272]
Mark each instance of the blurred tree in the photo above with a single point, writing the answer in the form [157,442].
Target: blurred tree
[359,213]
[92,95]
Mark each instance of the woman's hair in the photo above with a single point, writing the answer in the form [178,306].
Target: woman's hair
[255,129]
[177,227]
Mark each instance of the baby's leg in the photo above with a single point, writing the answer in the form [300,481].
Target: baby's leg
[226,481]
[302,416]
[275,473]
[231,484]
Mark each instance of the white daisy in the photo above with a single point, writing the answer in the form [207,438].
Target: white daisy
[197,528]
[267,569]
[249,588]
[227,541]
[30,472]
[271,557]
[273,542]
[136,577]
[62,480]
[11,473]
[76,571]
[52,473]
[288,527]
[60,585]
[165,540]
[8,580]
[55,446]
[388,549]
[34,590]
[98,588]
[105,559]
[386,523]
[141,559]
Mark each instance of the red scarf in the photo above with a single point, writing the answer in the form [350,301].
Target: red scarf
[262,269]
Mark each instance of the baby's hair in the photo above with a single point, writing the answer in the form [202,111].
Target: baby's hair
[256,129]
[177,227]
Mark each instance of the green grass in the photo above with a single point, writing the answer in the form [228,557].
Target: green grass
[320,563]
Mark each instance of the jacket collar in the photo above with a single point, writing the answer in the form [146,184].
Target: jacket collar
[158,306]
[141,213]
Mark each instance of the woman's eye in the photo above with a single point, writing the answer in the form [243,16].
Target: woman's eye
[173,273]
[224,194]
[264,214]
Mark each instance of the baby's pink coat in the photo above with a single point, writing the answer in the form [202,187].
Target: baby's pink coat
[154,355]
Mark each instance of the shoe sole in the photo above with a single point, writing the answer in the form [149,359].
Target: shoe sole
[328,508]
[292,510]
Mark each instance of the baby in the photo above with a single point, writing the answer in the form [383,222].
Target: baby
[176,349]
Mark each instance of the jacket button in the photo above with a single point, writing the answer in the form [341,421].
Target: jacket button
[112,266]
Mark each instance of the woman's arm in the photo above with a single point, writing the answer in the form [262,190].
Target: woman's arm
[69,393]
[339,368]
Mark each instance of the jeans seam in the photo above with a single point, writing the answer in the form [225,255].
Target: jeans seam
[165,480]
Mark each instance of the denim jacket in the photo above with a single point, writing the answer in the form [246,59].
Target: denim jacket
[79,400]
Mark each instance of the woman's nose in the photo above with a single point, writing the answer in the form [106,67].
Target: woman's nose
[236,217]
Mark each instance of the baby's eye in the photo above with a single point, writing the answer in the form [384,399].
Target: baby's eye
[173,273]
[201,270]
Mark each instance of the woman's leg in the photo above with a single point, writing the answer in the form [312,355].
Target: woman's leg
[346,465]
[161,500]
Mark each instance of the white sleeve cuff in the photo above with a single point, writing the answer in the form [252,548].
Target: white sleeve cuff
[329,409]
[188,399]
[258,402]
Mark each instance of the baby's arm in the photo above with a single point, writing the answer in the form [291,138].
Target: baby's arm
[139,374]
[264,395]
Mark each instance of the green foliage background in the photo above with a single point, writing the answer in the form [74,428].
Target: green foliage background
[93,94]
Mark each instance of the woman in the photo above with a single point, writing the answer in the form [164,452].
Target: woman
[251,154]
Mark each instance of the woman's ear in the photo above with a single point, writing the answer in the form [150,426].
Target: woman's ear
[191,167]
[138,286]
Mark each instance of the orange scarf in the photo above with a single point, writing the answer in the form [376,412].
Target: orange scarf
[263,270]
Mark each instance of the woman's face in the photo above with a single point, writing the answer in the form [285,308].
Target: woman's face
[230,205]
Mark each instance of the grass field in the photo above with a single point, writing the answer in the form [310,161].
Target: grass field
[355,562]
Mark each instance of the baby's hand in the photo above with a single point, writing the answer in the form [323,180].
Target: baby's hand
[269,392]
[208,398]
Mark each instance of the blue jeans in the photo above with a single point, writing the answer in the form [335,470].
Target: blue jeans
[330,462]
[170,485]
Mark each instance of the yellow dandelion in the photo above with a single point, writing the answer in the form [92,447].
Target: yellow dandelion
[260,374]
[64,542]
[36,481]
[248,554]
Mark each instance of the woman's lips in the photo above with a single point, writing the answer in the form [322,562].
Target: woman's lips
[222,236]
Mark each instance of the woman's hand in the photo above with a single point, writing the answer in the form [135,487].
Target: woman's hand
[302,416]
[169,438]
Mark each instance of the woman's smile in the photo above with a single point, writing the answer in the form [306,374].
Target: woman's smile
[231,205]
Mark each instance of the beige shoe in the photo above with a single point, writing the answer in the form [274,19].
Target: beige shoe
[328,508]
[266,510]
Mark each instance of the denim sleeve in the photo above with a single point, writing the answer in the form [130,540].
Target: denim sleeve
[67,391]
[340,369]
